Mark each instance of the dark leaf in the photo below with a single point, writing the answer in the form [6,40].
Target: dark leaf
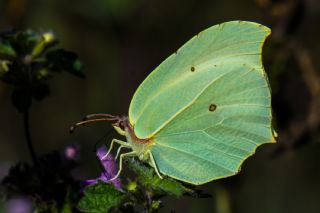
[148,179]
[23,42]
[61,59]
[6,51]
[54,187]
[16,181]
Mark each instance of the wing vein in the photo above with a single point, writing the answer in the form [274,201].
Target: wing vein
[237,130]
[196,156]
[218,141]
[188,105]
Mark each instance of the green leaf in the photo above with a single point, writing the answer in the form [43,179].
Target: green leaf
[23,42]
[6,50]
[46,40]
[4,68]
[61,59]
[101,197]
[148,179]
[156,204]
[67,207]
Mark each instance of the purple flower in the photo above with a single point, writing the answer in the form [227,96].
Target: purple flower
[110,169]
[19,205]
[71,152]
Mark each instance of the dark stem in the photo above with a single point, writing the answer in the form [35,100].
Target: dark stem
[28,138]
[149,202]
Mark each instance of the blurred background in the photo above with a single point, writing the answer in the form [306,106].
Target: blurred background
[121,41]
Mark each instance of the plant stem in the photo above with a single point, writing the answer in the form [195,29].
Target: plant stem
[28,138]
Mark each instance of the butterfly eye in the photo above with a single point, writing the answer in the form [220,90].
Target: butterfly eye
[121,125]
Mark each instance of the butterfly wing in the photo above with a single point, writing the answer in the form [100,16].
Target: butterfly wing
[207,107]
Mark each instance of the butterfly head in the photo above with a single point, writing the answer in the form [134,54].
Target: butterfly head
[121,125]
[118,122]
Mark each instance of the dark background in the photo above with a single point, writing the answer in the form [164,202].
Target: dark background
[121,41]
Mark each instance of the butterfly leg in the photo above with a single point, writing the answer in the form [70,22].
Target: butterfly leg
[122,143]
[119,149]
[154,165]
[133,153]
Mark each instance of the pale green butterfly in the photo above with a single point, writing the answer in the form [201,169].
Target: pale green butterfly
[202,111]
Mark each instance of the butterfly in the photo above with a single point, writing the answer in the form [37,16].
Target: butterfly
[203,110]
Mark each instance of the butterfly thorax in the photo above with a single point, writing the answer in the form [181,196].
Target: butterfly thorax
[140,146]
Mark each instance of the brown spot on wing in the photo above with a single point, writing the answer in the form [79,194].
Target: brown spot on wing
[212,107]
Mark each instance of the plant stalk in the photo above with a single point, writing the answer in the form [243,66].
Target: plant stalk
[28,138]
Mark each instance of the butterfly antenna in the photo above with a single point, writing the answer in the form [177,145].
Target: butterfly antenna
[100,115]
[92,119]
